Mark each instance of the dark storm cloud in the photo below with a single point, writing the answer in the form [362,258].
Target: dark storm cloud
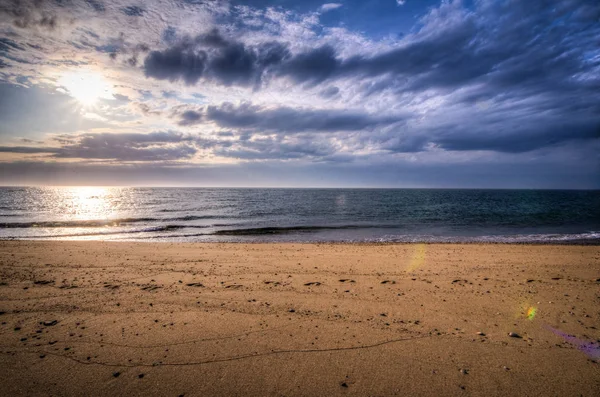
[176,63]
[535,45]
[216,58]
[315,65]
[283,119]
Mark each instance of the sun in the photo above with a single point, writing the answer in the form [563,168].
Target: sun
[86,87]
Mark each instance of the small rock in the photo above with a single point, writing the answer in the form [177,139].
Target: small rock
[292,311]
[116,374]
[464,371]
[506,368]
[50,323]
[140,376]
[344,384]
[480,333]
[514,335]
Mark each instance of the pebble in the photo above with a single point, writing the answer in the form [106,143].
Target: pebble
[464,371]
[116,374]
[514,335]
[480,333]
[50,323]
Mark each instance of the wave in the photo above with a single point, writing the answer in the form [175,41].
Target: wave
[290,229]
[156,229]
[198,217]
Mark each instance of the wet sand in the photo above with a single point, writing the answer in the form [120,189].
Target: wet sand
[93,318]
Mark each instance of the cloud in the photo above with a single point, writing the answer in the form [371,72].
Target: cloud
[212,56]
[26,149]
[400,2]
[520,140]
[154,146]
[27,14]
[329,92]
[314,65]
[283,119]
[278,148]
[330,6]
[175,63]
[454,48]
[133,11]
[190,117]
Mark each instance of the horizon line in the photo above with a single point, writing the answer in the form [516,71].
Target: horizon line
[296,187]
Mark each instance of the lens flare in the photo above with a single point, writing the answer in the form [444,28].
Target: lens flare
[590,348]
[531,312]
[418,258]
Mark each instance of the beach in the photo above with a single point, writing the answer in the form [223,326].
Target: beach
[171,319]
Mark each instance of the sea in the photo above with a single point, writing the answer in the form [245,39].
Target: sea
[299,215]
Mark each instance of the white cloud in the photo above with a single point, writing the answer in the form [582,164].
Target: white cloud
[401,2]
[330,6]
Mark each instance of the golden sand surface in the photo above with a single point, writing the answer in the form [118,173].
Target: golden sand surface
[142,319]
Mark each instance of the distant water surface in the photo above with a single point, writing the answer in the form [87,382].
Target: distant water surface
[250,215]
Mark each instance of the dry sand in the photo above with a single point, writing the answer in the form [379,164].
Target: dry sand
[92,318]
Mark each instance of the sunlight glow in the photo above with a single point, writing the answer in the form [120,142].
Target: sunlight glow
[86,87]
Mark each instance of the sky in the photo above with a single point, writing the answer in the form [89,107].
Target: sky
[282,93]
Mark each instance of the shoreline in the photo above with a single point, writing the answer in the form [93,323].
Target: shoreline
[585,243]
[123,318]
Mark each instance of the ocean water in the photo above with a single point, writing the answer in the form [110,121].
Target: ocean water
[255,215]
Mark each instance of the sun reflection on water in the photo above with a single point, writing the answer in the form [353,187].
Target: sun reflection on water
[85,203]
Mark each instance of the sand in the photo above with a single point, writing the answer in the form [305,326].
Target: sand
[93,318]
